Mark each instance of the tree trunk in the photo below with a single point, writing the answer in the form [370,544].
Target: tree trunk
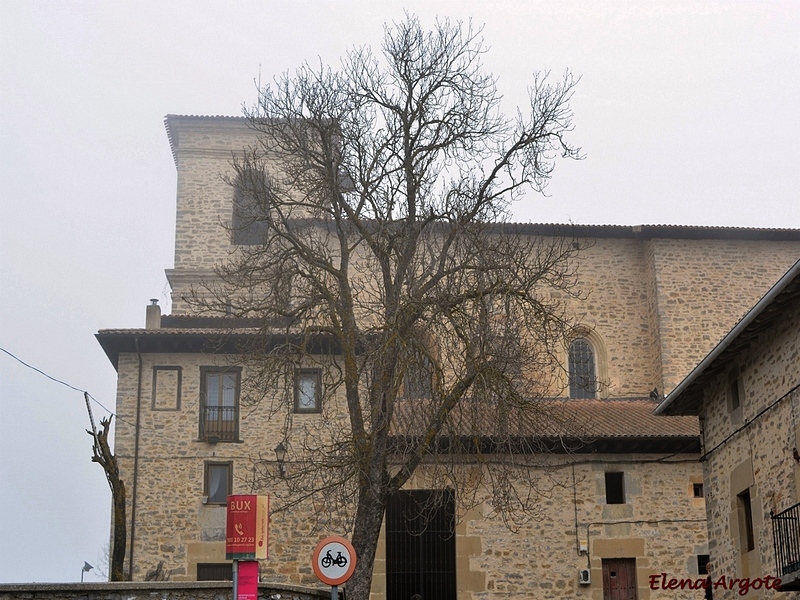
[120,534]
[369,516]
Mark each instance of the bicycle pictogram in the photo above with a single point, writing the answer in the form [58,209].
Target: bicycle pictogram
[334,560]
[328,560]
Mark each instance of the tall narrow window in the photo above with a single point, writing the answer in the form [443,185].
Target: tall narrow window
[733,392]
[582,369]
[702,564]
[307,391]
[250,207]
[615,487]
[745,509]
[418,382]
[218,482]
[219,404]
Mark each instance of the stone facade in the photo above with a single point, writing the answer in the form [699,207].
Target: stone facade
[655,301]
[163,590]
[747,395]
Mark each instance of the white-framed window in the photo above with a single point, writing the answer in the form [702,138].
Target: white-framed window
[218,482]
[307,391]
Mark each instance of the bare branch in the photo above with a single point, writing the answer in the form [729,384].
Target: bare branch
[379,196]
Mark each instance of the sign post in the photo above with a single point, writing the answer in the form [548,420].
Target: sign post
[334,562]
[246,540]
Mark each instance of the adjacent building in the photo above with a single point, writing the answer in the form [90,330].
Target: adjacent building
[624,501]
[746,392]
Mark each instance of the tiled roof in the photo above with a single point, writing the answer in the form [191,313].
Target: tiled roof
[205,340]
[648,232]
[577,419]
[629,418]
[169,331]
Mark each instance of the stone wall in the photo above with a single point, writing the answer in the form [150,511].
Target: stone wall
[212,590]
[661,525]
[612,285]
[748,451]
[173,524]
[703,288]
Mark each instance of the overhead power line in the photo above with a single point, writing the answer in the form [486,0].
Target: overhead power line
[72,387]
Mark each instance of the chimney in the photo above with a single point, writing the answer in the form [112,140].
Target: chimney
[153,316]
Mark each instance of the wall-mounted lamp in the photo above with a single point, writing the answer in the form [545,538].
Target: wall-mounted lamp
[280,454]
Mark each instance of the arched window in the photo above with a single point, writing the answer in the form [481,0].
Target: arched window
[582,369]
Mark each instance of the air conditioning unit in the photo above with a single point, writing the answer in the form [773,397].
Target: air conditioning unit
[584,577]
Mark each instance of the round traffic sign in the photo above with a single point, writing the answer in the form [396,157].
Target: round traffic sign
[334,560]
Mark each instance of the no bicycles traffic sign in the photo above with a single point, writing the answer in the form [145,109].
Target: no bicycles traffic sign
[334,560]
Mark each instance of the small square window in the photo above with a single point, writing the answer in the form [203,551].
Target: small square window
[307,391]
[615,487]
[697,490]
[218,482]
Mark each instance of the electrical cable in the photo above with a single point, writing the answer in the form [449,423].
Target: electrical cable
[72,387]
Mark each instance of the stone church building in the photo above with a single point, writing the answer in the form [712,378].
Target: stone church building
[622,503]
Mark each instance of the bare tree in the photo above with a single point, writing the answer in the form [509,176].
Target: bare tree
[373,243]
[101,454]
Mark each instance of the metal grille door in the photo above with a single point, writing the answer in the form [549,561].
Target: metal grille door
[421,545]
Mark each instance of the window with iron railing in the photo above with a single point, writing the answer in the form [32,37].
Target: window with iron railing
[219,404]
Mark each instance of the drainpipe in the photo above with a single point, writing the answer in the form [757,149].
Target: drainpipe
[135,458]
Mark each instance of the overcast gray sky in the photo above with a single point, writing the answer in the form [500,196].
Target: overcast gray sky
[687,113]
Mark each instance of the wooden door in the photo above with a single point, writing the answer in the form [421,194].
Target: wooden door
[619,579]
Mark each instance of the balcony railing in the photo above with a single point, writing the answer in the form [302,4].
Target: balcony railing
[786,537]
[219,423]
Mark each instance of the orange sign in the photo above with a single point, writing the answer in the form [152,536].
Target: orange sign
[334,560]
[247,531]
